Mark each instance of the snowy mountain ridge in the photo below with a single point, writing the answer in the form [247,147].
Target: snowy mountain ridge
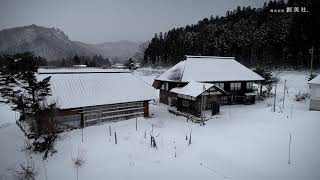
[54,44]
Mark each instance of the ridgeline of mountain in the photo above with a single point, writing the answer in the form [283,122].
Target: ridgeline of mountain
[54,44]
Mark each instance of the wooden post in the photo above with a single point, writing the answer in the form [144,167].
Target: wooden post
[82,126]
[291,110]
[289,161]
[284,93]
[115,138]
[152,128]
[82,134]
[136,124]
[190,138]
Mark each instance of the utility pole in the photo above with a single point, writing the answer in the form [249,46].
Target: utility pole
[202,106]
[311,64]
[275,98]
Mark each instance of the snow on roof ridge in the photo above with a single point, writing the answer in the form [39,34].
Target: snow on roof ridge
[203,69]
[210,57]
[80,70]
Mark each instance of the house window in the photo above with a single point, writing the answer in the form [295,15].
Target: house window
[165,86]
[162,86]
[220,85]
[185,103]
[235,86]
[249,85]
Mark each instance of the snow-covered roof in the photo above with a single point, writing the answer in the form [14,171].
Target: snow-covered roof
[193,89]
[315,80]
[80,70]
[209,69]
[91,89]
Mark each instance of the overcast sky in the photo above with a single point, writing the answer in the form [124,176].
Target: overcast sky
[96,21]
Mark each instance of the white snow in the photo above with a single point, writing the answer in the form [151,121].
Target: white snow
[80,70]
[209,69]
[193,89]
[91,89]
[242,142]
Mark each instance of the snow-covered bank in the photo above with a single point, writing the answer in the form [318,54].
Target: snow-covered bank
[243,142]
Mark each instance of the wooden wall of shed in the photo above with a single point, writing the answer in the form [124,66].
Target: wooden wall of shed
[192,109]
[68,112]
[195,106]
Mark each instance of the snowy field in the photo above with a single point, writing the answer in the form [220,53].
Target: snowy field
[243,142]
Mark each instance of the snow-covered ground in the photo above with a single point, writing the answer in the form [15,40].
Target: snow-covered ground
[243,142]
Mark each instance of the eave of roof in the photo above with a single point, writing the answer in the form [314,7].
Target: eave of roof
[315,80]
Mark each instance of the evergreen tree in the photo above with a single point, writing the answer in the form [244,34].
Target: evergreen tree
[129,64]
[19,86]
[76,60]
[255,36]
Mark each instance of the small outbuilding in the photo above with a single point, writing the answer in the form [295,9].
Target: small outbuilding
[314,86]
[195,97]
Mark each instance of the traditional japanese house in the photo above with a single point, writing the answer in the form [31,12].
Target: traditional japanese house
[314,86]
[94,96]
[224,72]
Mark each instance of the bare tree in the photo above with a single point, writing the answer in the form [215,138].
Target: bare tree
[79,161]
[27,171]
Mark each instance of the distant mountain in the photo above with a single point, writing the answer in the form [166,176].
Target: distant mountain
[54,44]
[121,49]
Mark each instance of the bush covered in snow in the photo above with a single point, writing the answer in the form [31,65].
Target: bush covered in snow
[302,96]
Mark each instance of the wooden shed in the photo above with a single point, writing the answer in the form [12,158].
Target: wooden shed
[196,97]
[93,96]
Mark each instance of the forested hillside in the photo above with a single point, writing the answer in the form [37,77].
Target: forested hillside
[255,36]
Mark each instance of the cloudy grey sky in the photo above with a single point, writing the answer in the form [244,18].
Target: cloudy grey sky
[95,21]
